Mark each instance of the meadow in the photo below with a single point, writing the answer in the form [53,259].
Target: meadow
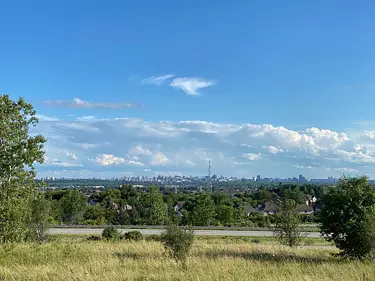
[212,258]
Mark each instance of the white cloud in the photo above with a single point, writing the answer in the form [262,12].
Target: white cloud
[157,80]
[71,155]
[159,159]
[109,159]
[303,167]
[140,150]
[273,149]
[344,170]
[87,145]
[55,162]
[187,146]
[253,156]
[45,118]
[191,85]
[79,103]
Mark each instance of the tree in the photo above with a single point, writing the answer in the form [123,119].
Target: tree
[18,153]
[203,211]
[224,214]
[39,218]
[178,242]
[287,222]
[157,211]
[348,217]
[73,205]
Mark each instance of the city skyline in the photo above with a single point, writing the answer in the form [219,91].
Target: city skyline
[127,88]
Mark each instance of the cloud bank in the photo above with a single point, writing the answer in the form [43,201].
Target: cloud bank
[124,146]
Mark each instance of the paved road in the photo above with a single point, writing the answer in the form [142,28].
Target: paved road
[92,231]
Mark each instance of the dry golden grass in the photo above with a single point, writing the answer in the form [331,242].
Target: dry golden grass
[76,259]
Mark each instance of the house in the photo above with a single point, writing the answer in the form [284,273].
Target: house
[250,209]
[269,208]
[311,200]
[178,208]
[305,209]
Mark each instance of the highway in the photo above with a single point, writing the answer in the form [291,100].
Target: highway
[96,231]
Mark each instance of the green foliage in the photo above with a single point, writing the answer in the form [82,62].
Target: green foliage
[153,237]
[259,220]
[203,212]
[39,219]
[224,214]
[133,236]
[110,233]
[72,206]
[18,153]
[95,214]
[348,217]
[287,222]
[178,242]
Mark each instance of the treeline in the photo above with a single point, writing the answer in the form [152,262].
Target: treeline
[128,205]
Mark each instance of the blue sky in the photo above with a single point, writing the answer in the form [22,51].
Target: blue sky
[279,88]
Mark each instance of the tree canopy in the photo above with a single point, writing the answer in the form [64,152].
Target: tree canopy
[18,153]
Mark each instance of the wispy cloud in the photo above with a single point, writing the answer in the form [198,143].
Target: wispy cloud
[78,103]
[45,118]
[157,80]
[191,85]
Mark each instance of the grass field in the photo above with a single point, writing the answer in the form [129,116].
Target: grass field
[224,258]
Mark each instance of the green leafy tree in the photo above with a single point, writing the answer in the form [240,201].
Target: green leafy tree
[224,214]
[287,222]
[73,205]
[18,153]
[204,210]
[348,218]
[157,210]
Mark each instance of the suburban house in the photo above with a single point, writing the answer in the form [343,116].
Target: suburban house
[305,209]
[268,208]
[311,200]
[250,209]
[178,208]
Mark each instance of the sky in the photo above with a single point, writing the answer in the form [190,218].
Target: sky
[123,88]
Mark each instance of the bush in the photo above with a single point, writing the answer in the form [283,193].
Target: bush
[348,217]
[153,237]
[89,222]
[110,233]
[39,219]
[94,238]
[133,235]
[178,242]
[287,223]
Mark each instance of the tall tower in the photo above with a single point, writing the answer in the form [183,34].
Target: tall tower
[209,176]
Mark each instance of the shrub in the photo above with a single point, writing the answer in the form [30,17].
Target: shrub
[348,217]
[39,219]
[178,242]
[94,238]
[110,233]
[89,222]
[287,223]
[133,235]
[153,237]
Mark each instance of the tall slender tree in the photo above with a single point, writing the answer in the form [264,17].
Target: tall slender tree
[18,153]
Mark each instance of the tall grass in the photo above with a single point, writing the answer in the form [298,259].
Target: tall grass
[77,259]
